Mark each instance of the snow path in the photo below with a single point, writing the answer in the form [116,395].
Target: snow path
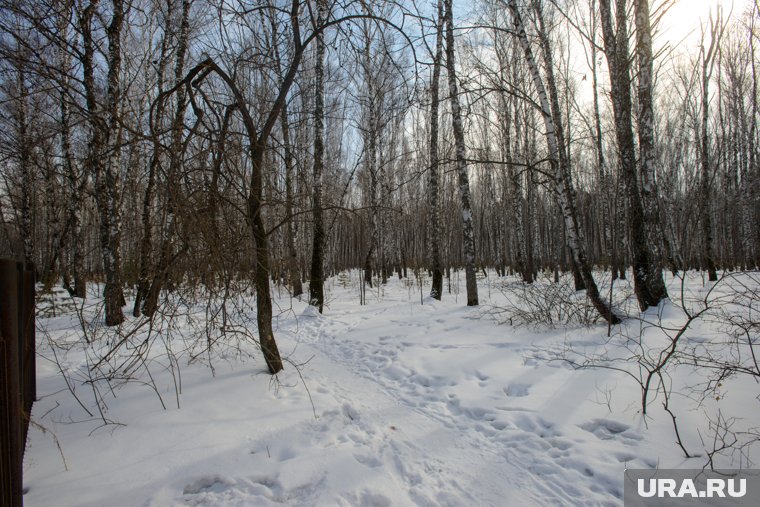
[516,449]
[416,405]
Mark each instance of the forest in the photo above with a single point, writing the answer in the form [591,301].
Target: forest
[153,144]
[370,184]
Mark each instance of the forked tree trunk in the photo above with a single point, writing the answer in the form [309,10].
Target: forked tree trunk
[257,148]
[146,242]
[649,291]
[105,144]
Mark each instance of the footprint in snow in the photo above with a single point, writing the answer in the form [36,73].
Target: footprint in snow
[517,390]
[607,429]
[535,424]
[350,412]
[209,483]
[368,499]
[367,460]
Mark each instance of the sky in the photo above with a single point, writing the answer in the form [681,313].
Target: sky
[678,34]
[681,24]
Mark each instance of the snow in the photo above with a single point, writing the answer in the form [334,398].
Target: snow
[396,403]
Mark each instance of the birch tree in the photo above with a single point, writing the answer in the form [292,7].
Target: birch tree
[434,228]
[559,162]
[707,57]
[468,234]
[648,285]
[75,182]
[103,159]
[647,148]
[316,283]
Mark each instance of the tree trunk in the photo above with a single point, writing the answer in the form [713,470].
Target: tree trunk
[559,163]
[434,229]
[648,290]
[316,284]
[172,179]
[369,137]
[468,234]
[604,187]
[294,274]
[25,167]
[647,149]
[708,59]
[103,159]
[146,243]
[76,185]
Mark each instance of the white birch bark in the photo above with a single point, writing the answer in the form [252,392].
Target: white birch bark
[562,179]
[647,147]
[647,279]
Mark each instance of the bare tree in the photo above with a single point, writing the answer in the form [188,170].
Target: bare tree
[434,228]
[559,159]
[146,243]
[173,183]
[294,272]
[647,149]
[316,283]
[468,234]
[103,159]
[708,61]
[648,284]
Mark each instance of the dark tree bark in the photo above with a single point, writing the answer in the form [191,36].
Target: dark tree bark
[173,184]
[708,61]
[103,158]
[434,229]
[468,234]
[25,164]
[316,283]
[649,292]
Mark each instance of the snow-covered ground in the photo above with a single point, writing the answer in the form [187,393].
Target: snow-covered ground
[401,401]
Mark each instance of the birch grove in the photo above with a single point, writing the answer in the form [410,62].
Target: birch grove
[151,146]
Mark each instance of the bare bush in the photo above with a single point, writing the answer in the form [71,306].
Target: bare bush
[548,304]
[707,338]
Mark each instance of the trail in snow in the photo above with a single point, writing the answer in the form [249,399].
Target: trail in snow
[518,447]
[416,405]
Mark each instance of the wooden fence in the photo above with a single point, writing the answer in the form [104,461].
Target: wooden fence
[18,388]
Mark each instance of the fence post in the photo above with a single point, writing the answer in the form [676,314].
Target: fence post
[27,351]
[11,445]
